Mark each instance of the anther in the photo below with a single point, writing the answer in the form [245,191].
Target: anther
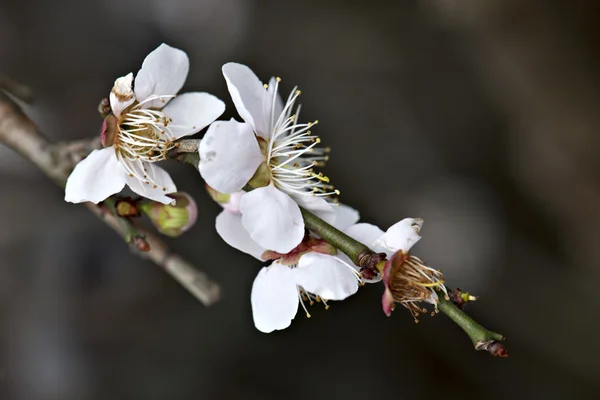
[278,79]
[266,86]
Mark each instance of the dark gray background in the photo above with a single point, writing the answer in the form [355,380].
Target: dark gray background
[479,117]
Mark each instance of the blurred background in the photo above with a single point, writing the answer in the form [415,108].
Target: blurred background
[481,117]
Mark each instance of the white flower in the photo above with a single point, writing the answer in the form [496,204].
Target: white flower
[272,148]
[145,122]
[408,280]
[305,274]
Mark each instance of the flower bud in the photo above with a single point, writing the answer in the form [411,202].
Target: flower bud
[230,202]
[172,220]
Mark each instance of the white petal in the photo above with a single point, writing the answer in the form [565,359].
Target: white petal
[229,155]
[229,226]
[274,298]
[233,205]
[325,276]
[249,96]
[163,74]
[272,218]
[318,206]
[121,95]
[192,112]
[96,177]
[345,216]
[159,184]
[402,235]
[365,233]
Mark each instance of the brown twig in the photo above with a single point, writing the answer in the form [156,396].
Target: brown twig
[19,133]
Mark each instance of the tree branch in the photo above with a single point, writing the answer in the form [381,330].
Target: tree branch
[361,255]
[19,133]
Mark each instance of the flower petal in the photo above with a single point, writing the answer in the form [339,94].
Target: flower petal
[229,227]
[229,155]
[163,73]
[364,233]
[96,177]
[158,185]
[345,216]
[272,218]
[402,235]
[192,112]
[387,301]
[274,298]
[317,205]
[121,95]
[249,96]
[325,276]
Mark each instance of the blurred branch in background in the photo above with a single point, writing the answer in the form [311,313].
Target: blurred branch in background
[19,133]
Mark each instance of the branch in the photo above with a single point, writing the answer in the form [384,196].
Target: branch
[482,338]
[367,259]
[19,133]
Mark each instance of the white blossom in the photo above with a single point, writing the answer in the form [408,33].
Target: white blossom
[146,119]
[271,146]
[304,275]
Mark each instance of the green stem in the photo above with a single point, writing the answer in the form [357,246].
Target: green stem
[476,332]
[353,249]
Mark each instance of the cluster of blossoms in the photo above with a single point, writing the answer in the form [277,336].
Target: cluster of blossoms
[263,171]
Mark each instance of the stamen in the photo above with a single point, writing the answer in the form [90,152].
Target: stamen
[300,298]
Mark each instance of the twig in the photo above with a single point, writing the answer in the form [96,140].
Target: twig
[364,257]
[21,92]
[19,133]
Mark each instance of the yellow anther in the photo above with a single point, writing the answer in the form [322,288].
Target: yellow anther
[307,315]
[278,79]
[327,307]
[318,140]
[337,192]
[266,86]
[316,121]
[131,175]
[298,92]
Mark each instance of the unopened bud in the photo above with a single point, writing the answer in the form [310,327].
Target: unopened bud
[126,208]
[230,202]
[104,107]
[172,220]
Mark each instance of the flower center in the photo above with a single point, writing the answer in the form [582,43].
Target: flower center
[292,153]
[142,135]
[411,281]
